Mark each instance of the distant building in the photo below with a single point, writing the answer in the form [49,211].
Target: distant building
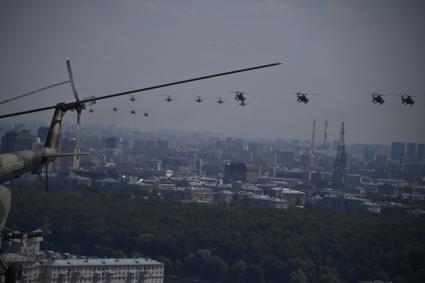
[239,171]
[252,173]
[17,140]
[42,133]
[112,142]
[368,153]
[104,270]
[287,158]
[223,197]
[398,150]
[162,146]
[264,200]
[79,270]
[381,161]
[293,197]
[420,152]
[199,194]
[197,166]
[235,171]
[350,203]
[51,267]
[411,152]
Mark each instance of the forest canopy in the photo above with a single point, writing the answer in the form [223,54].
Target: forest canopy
[227,244]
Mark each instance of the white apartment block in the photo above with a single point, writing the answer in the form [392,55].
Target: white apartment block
[123,270]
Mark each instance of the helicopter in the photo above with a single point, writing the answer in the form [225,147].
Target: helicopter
[199,99]
[302,97]
[407,100]
[220,100]
[240,97]
[168,98]
[377,98]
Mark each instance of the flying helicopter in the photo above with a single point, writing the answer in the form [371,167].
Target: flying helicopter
[407,99]
[302,97]
[168,98]
[198,99]
[13,165]
[240,97]
[377,98]
[220,100]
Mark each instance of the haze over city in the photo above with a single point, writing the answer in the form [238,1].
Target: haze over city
[342,50]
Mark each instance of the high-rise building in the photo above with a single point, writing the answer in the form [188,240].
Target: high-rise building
[368,153]
[287,158]
[42,134]
[420,152]
[411,152]
[381,161]
[17,140]
[235,171]
[398,150]
[112,142]
[252,173]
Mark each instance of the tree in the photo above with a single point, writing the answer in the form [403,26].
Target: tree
[215,269]
[236,271]
[253,274]
[297,276]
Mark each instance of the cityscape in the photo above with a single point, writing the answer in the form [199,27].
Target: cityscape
[243,141]
[210,169]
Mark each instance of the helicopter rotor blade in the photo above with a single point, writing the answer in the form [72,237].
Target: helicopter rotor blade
[92,99]
[71,79]
[34,91]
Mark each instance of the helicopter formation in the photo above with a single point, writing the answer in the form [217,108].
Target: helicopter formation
[239,97]
[302,97]
[376,98]
[405,99]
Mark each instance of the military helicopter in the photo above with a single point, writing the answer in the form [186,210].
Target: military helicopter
[302,98]
[407,100]
[220,100]
[377,98]
[240,97]
[168,98]
[198,99]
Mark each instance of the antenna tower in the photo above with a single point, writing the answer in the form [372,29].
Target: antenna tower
[325,137]
[313,135]
[340,162]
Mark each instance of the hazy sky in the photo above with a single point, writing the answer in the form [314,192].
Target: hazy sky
[341,50]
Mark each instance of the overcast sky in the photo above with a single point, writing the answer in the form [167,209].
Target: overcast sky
[341,50]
